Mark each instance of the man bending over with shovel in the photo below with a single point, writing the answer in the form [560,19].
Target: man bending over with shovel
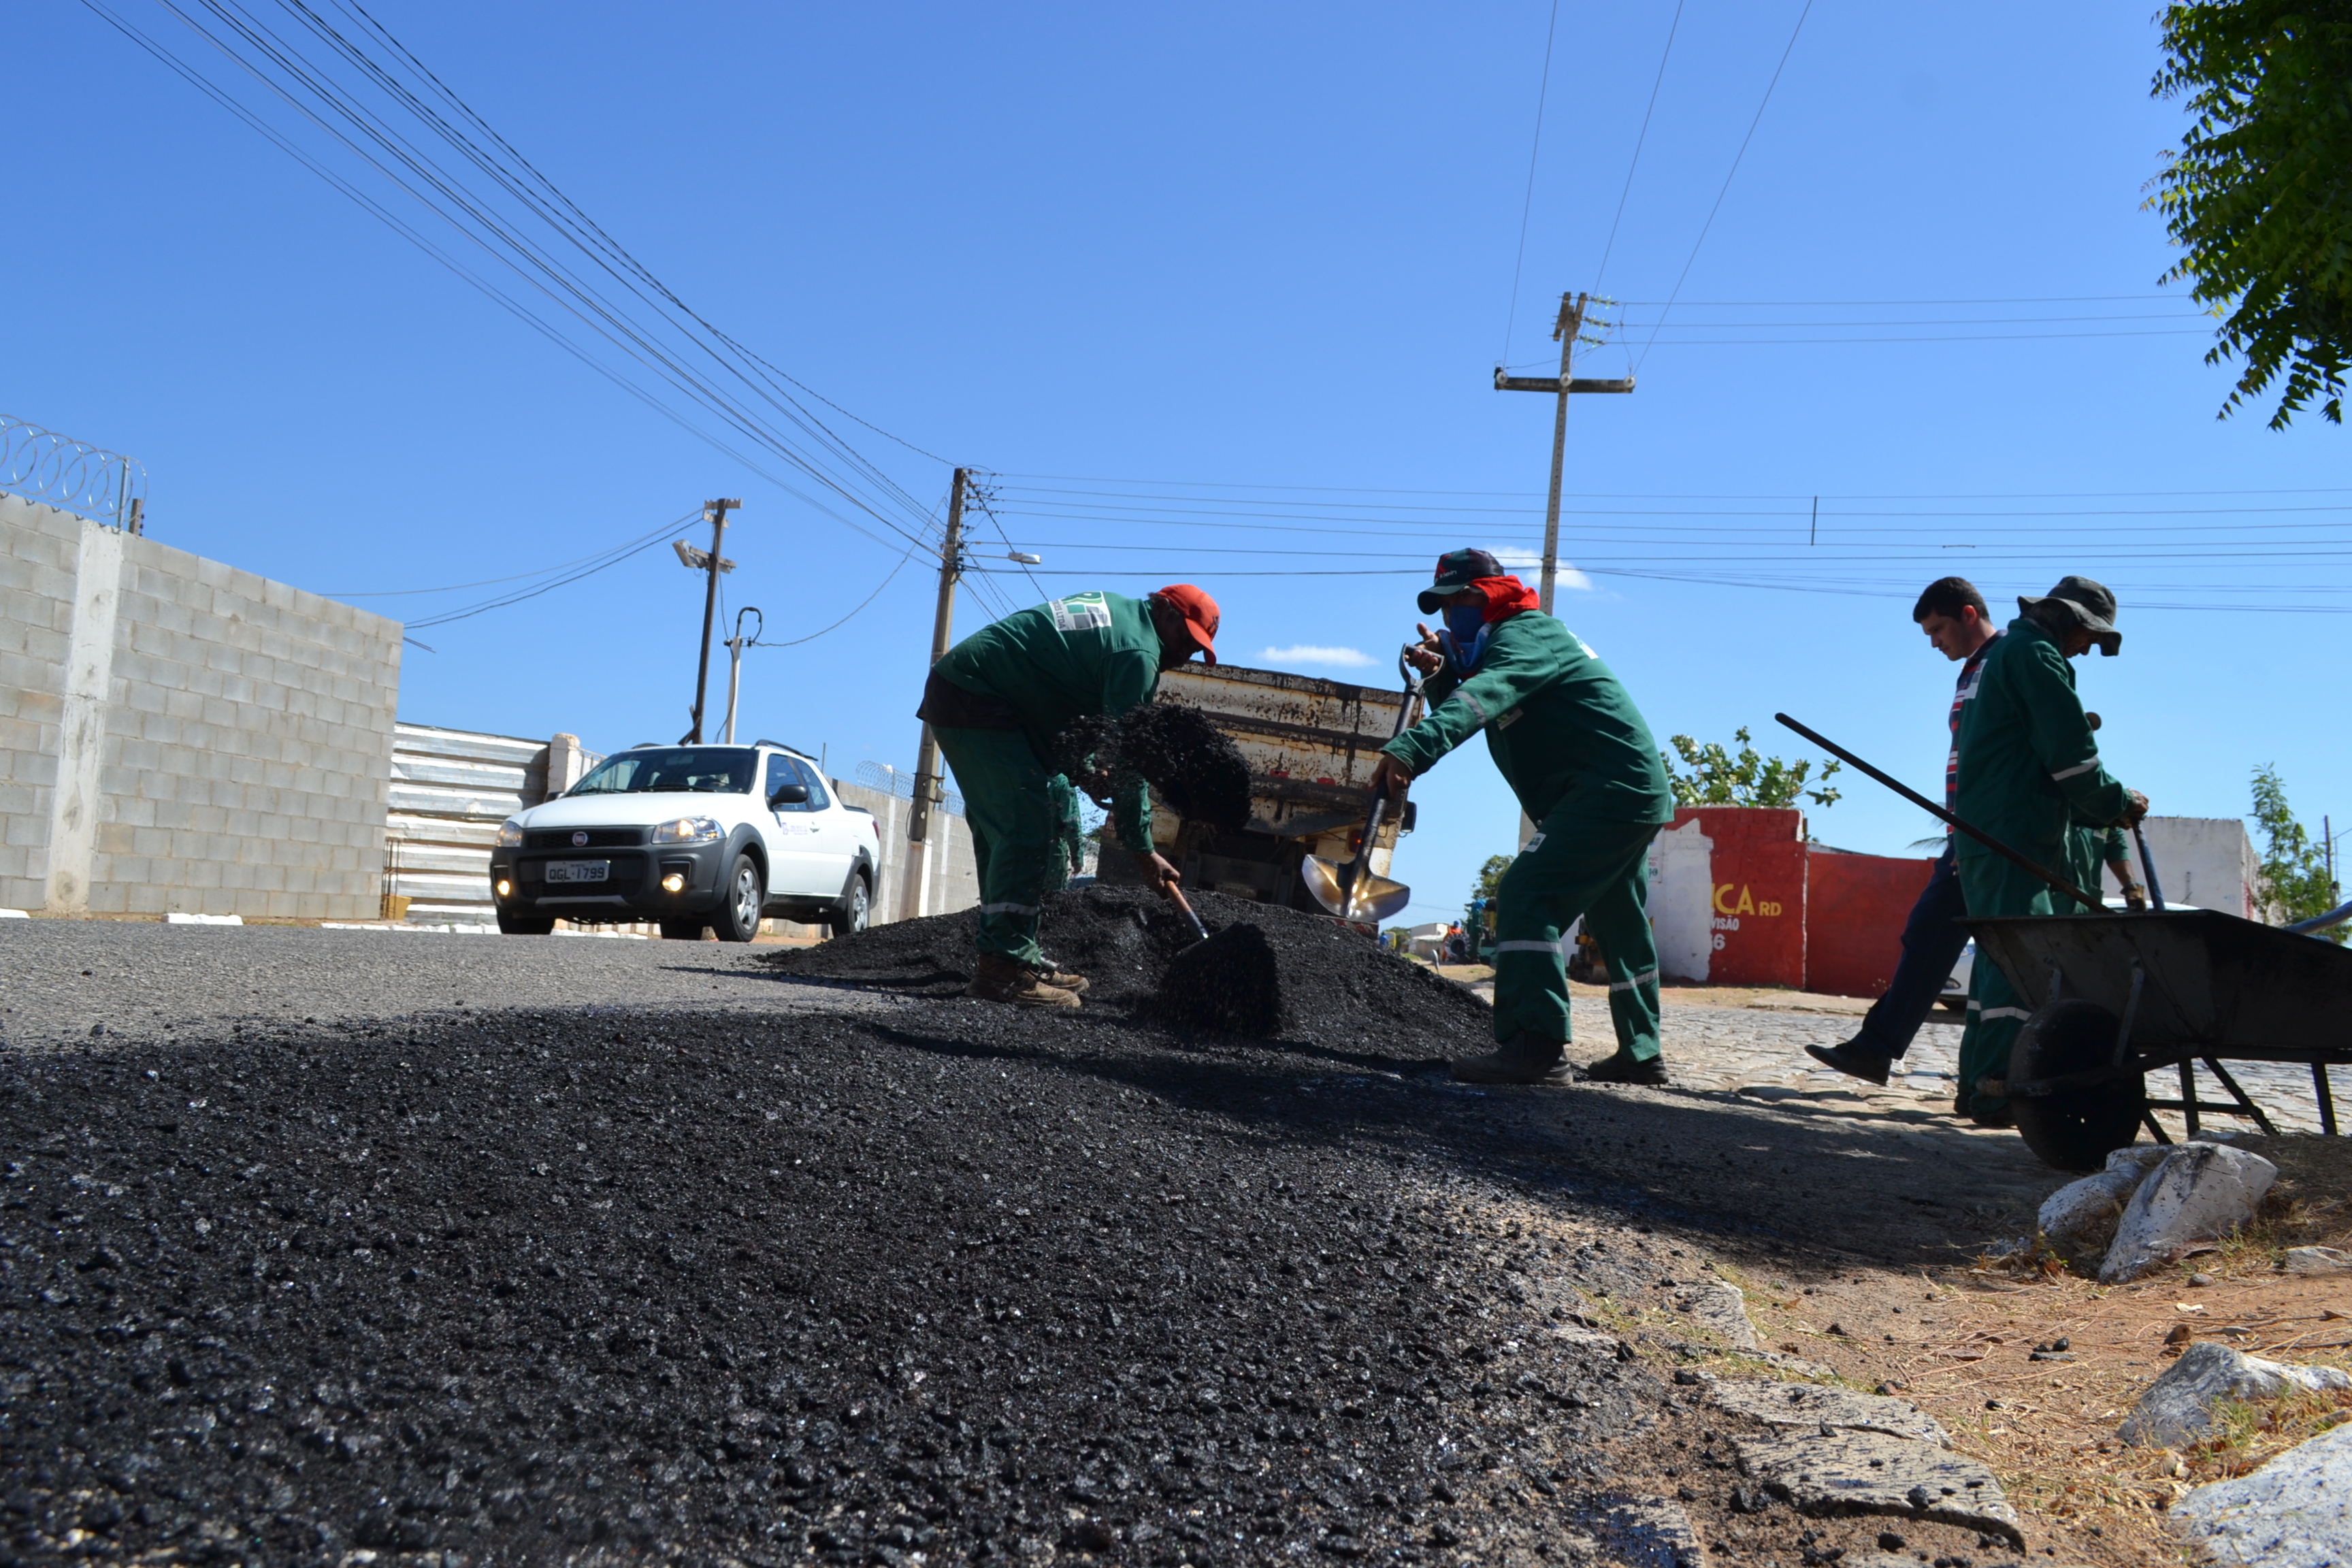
[997,701]
[1575,751]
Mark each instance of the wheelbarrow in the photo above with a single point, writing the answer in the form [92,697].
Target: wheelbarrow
[2117,996]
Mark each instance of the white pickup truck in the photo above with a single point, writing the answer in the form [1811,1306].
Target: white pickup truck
[691,838]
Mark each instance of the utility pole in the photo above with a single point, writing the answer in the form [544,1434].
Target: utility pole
[735,646]
[928,791]
[716,510]
[1570,322]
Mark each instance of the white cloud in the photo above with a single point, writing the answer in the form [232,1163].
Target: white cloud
[1531,563]
[1311,653]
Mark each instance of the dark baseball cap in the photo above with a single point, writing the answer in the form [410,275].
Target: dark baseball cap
[2092,605]
[1457,572]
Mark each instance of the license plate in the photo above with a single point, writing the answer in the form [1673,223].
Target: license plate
[579,870]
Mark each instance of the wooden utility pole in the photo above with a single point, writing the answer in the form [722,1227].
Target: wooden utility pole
[1571,321]
[716,510]
[927,790]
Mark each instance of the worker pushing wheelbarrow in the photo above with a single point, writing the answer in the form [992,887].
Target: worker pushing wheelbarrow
[2110,997]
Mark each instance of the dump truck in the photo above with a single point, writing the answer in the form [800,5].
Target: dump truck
[1311,745]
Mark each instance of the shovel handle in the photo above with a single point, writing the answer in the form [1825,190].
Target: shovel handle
[2147,869]
[1176,896]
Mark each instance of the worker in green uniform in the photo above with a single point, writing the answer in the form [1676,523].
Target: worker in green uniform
[2028,774]
[995,703]
[2094,852]
[1069,848]
[1576,751]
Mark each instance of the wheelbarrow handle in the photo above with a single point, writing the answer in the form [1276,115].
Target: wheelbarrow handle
[2147,869]
[2087,901]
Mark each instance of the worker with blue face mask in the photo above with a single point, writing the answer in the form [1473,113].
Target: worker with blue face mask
[1579,755]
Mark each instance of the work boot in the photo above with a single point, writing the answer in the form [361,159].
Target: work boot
[1526,1057]
[1061,979]
[1002,979]
[1624,1069]
[1854,1058]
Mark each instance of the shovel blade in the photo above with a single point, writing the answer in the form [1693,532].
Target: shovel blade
[1371,898]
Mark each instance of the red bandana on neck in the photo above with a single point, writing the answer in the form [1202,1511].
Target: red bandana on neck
[1506,596]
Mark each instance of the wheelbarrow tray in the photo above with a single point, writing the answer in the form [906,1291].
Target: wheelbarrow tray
[2216,984]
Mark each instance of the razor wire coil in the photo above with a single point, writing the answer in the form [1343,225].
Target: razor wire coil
[43,465]
[894,782]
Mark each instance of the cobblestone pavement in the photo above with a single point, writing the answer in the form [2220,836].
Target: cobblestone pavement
[1753,1043]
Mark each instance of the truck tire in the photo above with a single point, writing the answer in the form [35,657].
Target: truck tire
[2075,1130]
[526,925]
[850,916]
[738,919]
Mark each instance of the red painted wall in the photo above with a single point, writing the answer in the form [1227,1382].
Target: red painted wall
[1855,906]
[1760,894]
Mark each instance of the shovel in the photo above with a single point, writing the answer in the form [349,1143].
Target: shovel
[1350,889]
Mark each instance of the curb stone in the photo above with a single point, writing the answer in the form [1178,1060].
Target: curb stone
[1850,1472]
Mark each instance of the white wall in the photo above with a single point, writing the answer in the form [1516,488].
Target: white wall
[2207,861]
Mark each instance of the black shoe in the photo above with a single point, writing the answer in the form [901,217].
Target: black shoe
[1854,1058]
[1623,1069]
[1526,1057]
[1999,1115]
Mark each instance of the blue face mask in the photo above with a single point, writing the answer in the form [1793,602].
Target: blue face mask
[1466,633]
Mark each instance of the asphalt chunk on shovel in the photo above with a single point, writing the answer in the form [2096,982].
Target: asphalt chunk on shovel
[1194,766]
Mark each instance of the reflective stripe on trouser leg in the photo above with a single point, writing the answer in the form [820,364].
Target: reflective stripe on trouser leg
[1580,867]
[1996,1012]
[1010,810]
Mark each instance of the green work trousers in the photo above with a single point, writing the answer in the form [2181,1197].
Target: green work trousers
[1008,803]
[1992,885]
[1577,866]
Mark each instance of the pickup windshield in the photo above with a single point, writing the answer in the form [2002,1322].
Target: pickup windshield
[686,770]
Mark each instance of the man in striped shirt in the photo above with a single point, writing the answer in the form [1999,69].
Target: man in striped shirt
[1953,615]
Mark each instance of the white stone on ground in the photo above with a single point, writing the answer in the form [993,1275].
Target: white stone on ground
[2294,1512]
[2200,1193]
[2316,1260]
[2178,1407]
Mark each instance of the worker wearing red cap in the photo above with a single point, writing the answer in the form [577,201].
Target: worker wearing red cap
[997,701]
[1568,741]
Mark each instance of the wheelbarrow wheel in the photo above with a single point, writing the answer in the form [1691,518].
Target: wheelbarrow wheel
[2075,1130]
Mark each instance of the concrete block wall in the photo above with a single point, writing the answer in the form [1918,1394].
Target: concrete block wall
[184,736]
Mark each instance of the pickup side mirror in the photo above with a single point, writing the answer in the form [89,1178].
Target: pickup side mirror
[790,794]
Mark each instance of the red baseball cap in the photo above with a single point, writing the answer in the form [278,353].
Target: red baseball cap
[1200,613]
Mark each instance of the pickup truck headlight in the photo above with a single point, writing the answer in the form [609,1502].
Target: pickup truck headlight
[510,833]
[688,830]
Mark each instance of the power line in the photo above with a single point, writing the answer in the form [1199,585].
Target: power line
[1528,204]
[1734,170]
[502,601]
[518,577]
[1664,55]
[664,349]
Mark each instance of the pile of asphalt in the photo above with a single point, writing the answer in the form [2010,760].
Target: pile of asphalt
[1195,767]
[1265,972]
[974,1283]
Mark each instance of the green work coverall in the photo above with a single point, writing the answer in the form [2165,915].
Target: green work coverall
[2030,775]
[1574,749]
[2089,852]
[1090,654]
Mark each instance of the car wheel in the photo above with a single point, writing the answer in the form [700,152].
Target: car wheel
[738,919]
[682,930]
[850,916]
[526,925]
[2077,1129]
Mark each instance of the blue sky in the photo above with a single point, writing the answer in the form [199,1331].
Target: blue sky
[1245,271]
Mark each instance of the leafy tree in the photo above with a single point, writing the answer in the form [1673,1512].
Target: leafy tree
[1490,876]
[2259,197]
[2293,883]
[1719,778]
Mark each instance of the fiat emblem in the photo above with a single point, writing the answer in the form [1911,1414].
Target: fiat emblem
[579,841]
